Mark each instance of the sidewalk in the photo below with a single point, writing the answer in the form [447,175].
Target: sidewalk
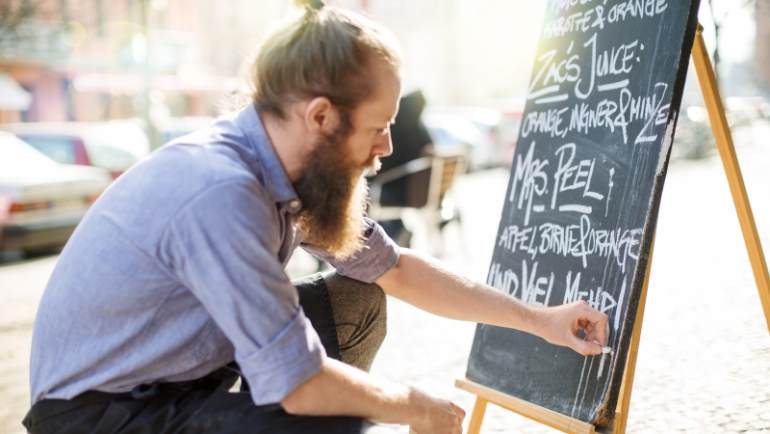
[704,357]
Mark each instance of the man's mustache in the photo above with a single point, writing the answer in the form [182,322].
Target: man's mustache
[372,167]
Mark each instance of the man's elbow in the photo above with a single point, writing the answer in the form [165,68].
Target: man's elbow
[304,399]
[293,404]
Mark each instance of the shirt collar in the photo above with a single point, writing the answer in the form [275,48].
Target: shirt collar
[276,179]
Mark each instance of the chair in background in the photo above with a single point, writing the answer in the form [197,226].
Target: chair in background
[429,200]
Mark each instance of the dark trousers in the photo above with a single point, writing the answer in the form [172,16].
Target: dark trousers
[348,315]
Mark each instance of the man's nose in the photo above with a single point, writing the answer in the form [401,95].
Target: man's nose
[384,148]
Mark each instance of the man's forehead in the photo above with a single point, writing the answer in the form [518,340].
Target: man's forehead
[381,110]
[388,113]
[376,111]
[381,106]
[385,103]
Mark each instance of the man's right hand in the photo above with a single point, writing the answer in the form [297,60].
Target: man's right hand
[564,324]
[435,415]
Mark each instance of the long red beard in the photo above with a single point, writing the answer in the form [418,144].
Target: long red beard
[333,192]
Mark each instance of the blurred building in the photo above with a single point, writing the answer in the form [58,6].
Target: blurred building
[85,60]
[26,51]
[99,59]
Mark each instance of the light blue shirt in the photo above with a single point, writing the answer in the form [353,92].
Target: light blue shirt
[178,269]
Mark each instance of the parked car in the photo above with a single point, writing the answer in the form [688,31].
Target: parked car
[114,146]
[488,135]
[452,131]
[41,201]
[173,128]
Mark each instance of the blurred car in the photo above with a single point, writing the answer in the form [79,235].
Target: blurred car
[173,128]
[114,145]
[41,201]
[488,135]
[694,138]
[451,131]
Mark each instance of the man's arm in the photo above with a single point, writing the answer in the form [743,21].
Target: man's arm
[232,270]
[427,285]
[342,389]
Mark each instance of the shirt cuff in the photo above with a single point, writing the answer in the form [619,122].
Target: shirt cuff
[379,254]
[291,358]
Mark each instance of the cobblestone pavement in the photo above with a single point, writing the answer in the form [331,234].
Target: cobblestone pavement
[704,357]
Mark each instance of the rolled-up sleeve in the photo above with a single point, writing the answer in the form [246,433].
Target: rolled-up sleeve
[223,247]
[292,357]
[378,255]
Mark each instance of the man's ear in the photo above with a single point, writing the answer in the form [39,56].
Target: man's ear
[321,116]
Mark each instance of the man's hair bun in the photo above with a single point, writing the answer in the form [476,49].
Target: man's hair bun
[310,5]
[328,52]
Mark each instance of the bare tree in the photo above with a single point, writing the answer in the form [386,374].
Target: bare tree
[13,13]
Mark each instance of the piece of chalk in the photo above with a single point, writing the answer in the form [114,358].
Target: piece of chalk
[605,350]
[601,364]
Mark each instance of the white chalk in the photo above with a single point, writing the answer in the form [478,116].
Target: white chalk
[601,365]
[605,351]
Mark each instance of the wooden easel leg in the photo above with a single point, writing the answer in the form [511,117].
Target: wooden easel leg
[726,148]
[624,399]
[474,426]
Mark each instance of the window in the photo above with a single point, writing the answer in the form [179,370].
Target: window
[17,157]
[110,157]
[58,148]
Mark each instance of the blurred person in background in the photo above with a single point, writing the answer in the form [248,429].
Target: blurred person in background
[173,287]
[411,141]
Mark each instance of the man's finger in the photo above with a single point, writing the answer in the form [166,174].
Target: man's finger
[593,315]
[599,324]
[597,333]
[602,332]
[595,337]
[458,410]
[586,348]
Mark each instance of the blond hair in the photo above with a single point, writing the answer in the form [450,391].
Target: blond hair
[327,52]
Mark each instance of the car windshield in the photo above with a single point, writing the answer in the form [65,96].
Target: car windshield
[17,156]
[59,148]
[116,146]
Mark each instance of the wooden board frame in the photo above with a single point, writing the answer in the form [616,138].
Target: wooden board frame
[724,138]
[726,147]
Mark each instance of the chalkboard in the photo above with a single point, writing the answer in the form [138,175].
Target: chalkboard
[585,185]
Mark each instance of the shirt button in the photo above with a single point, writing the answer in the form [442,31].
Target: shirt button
[294,204]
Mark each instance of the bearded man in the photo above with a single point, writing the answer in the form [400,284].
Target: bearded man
[173,287]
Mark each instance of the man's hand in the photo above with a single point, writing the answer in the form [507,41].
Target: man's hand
[575,325]
[435,415]
[340,389]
